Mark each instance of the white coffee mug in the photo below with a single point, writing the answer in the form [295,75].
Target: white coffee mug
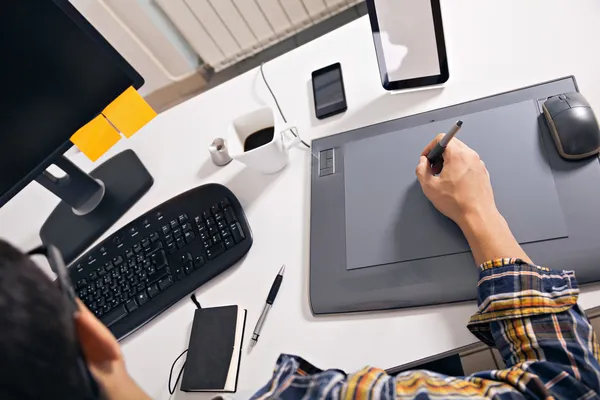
[269,157]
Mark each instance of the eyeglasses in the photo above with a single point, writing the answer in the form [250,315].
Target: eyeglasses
[57,264]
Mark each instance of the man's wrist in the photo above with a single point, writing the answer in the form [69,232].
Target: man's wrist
[476,220]
[489,236]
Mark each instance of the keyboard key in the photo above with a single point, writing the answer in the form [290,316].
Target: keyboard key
[153,290]
[204,236]
[198,262]
[206,215]
[114,316]
[202,227]
[145,243]
[225,233]
[154,237]
[171,248]
[188,267]
[156,276]
[186,227]
[219,217]
[159,259]
[225,203]
[179,274]
[222,224]
[207,243]
[128,253]
[213,230]
[141,297]
[93,275]
[82,283]
[237,232]
[174,224]
[180,243]
[215,209]
[166,229]
[189,236]
[210,222]
[156,246]
[177,233]
[119,298]
[230,215]
[131,305]
[183,218]
[137,248]
[165,283]
[215,251]
[229,243]
[169,238]
[216,238]
[143,276]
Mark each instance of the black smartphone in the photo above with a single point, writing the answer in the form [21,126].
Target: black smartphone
[328,91]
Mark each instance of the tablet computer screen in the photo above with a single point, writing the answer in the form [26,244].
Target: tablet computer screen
[409,42]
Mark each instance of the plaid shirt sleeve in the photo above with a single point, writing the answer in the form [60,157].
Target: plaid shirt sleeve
[529,313]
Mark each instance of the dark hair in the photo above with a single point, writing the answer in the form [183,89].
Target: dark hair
[38,346]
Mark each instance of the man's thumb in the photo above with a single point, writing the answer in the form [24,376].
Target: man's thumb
[423,169]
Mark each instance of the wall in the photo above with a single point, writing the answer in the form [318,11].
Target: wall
[162,56]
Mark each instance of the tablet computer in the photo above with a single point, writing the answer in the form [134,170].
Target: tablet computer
[409,42]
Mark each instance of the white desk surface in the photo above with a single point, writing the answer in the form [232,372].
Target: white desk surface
[493,46]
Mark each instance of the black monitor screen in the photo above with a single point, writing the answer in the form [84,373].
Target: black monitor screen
[58,74]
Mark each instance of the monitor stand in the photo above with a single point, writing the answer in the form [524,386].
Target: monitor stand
[92,203]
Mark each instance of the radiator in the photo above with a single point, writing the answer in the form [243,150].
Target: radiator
[224,32]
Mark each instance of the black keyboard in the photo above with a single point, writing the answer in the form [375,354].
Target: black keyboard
[161,257]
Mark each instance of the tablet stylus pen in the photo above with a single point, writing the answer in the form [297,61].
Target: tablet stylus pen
[265,311]
[439,148]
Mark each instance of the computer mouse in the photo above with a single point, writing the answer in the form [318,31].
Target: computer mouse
[573,125]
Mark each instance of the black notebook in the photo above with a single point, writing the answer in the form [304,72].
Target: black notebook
[215,350]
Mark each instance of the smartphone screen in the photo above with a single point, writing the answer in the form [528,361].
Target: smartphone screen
[328,91]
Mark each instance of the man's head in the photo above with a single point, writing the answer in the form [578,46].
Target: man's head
[41,340]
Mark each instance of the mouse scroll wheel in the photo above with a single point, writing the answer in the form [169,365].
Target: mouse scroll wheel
[562,97]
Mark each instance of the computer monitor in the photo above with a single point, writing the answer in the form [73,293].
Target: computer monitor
[58,74]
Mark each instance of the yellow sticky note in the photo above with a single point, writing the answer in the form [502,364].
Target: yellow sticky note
[129,112]
[96,137]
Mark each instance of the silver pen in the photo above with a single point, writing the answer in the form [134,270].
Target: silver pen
[268,305]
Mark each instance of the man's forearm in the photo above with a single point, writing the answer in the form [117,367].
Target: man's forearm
[490,237]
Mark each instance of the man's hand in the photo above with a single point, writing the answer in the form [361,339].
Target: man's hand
[463,193]
[463,187]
